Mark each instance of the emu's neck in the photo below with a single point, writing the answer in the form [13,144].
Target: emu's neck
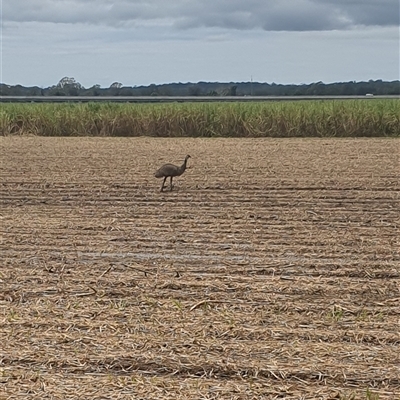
[182,167]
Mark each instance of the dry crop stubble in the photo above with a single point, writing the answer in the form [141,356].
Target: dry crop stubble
[272,269]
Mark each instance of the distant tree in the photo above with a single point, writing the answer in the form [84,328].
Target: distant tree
[232,90]
[346,89]
[194,90]
[5,90]
[212,93]
[67,86]
[95,90]
[68,82]
[116,85]
[34,91]
[164,90]
[53,91]
[126,91]
[114,89]
[153,90]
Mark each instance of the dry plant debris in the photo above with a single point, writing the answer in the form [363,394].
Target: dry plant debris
[272,271]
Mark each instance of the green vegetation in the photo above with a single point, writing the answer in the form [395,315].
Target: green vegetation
[341,118]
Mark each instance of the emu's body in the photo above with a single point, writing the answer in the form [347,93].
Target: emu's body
[170,170]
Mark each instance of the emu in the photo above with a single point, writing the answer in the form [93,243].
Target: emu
[170,170]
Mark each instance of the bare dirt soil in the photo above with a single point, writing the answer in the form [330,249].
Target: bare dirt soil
[271,271]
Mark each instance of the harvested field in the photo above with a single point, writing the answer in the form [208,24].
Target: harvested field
[271,271]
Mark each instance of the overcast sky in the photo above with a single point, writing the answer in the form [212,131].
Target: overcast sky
[138,42]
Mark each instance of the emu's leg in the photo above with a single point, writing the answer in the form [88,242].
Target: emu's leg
[171,183]
[162,186]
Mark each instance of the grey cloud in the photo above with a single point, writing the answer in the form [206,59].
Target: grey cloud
[369,12]
[292,15]
[270,15]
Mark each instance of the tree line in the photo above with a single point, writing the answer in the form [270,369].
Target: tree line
[70,87]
